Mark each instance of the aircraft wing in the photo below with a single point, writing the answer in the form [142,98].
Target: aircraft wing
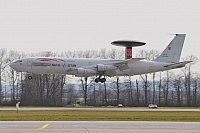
[178,65]
[119,64]
[123,65]
[111,67]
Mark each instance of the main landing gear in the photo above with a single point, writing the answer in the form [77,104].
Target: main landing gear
[102,80]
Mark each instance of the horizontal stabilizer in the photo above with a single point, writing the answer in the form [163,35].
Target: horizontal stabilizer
[178,65]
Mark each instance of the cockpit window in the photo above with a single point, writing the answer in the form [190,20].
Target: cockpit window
[18,61]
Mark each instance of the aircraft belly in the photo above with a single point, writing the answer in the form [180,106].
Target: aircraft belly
[147,67]
[137,68]
[38,70]
[140,67]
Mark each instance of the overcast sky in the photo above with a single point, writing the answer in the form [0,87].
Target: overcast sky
[62,25]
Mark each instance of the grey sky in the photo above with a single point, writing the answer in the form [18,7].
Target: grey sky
[62,25]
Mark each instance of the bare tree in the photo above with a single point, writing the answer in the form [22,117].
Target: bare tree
[177,85]
[130,92]
[71,94]
[195,88]
[137,93]
[167,89]
[13,55]
[187,72]
[63,79]
[3,64]
[159,90]
[102,54]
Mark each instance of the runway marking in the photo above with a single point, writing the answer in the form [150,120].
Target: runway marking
[43,127]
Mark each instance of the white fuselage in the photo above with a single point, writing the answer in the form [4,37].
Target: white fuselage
[70,66]
[168,59]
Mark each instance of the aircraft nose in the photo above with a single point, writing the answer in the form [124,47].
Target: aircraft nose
[12,65]
[15,66]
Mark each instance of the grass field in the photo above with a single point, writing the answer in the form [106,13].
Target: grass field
[77,115]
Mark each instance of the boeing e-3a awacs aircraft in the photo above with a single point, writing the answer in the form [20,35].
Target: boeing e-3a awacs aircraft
[169,59]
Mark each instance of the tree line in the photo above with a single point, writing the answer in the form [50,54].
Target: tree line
[179,87]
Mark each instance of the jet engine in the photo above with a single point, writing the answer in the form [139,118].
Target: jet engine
[102,67]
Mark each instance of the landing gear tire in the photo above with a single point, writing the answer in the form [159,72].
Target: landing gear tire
[97,80]
[100,80]
[103,80]
[30,77]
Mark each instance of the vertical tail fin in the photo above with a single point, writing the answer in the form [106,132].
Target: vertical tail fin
[172,52]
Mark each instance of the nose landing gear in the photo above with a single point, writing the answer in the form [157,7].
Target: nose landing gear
[30,77]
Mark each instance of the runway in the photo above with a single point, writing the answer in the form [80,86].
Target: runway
[98,127]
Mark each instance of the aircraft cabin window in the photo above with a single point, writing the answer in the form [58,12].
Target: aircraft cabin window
[41,64]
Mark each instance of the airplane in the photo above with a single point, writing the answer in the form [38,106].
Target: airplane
[101,68]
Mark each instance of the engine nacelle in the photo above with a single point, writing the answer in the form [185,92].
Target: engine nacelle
[85,71]
[102,67]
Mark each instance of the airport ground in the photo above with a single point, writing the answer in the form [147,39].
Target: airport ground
[98,127]
[190,123]
[187,109]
